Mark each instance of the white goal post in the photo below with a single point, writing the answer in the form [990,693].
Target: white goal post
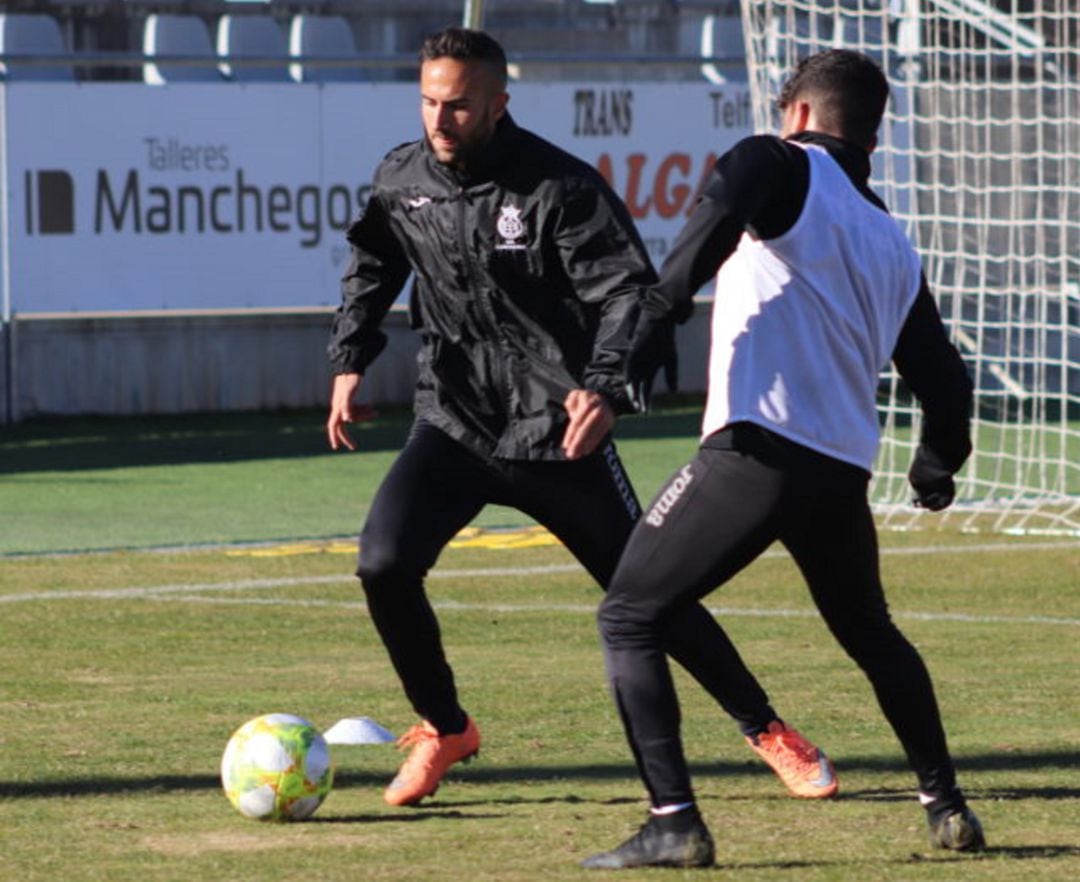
[979,158]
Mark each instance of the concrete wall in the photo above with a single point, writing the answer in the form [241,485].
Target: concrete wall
[183,363]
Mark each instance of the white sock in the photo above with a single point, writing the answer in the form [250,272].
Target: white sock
[670,809]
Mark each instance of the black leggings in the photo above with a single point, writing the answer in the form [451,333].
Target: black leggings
[745,489]
[437,486]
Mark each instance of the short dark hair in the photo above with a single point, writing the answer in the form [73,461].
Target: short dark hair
[848,91]
[464,44]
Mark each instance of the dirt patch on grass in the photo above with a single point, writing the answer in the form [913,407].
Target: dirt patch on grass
[190,845]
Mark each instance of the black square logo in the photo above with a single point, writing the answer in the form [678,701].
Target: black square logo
[55,198]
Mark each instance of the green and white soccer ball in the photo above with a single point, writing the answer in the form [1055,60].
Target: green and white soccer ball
[277,768]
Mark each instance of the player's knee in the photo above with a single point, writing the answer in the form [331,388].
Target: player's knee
[872,642]
[624,621]
[384,565]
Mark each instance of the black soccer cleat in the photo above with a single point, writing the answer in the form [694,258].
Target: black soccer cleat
[958,831]
[661,843]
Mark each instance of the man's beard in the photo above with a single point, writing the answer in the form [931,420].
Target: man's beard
[465,152]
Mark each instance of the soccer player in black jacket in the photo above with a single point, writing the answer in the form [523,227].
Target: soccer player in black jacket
[817,289]
[529,278]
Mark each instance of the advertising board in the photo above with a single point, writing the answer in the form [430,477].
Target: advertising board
[123,197]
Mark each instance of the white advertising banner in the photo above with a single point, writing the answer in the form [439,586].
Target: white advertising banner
[126,197]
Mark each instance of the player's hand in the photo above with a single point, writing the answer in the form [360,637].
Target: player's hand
[591,419]
[932,480]
[341,410]
[652,348]
[936,497]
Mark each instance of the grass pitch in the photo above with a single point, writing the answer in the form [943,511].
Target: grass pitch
[125,672]
[92,484]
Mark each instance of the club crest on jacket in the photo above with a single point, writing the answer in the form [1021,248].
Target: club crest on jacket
[510,229]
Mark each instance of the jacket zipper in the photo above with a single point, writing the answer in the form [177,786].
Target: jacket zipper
[471,279]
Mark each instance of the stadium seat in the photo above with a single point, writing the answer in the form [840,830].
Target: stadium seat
[252,36]
[61,7]
[32,35]
[326,37]
[148,6]
[719,36]
[178,36]
[310,7]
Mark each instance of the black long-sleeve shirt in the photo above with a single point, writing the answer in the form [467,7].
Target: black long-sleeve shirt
[759,187]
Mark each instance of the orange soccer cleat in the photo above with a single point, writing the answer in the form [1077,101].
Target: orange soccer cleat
[804,769]
[432,754]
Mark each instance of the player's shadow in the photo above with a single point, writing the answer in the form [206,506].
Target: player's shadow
[478,773]
[406,816]
[104,786]
[1000,794]
[562,799]
[89,443]
[85,444]
[1029,852]
[108,786]
[985,762]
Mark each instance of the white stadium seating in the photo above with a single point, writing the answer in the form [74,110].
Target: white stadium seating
[32,35]
[252,36]
[177,37]
[326,37]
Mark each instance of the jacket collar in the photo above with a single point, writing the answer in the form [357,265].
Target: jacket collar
[852,158]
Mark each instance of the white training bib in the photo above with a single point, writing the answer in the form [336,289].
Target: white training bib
[803,324]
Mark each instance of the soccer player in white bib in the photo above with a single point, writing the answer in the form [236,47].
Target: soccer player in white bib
[817,289]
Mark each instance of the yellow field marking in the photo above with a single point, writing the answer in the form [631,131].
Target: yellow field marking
[470,537]
[527,537]
[294,548]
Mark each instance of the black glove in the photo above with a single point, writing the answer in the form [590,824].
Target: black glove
[652,348]
[932,480]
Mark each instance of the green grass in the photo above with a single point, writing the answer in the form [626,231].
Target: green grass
[116,710]
[117,705]
[109,483]
[69,485]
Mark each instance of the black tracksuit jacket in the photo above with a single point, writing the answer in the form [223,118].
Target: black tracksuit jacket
[528,279]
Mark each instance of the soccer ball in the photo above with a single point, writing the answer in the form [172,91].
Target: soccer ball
[277,768]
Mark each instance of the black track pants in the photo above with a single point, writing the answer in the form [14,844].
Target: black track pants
[714,517]
[437,486]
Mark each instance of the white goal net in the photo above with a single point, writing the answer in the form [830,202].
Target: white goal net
[979,158]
